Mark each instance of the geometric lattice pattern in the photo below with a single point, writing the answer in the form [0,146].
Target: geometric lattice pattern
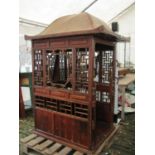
[65,107]
[107,67]
[104,74]
[49,66]
[82,62]
[58,66]
[38,67]
[105,97]
[81,110]
[68,53]
[98,96]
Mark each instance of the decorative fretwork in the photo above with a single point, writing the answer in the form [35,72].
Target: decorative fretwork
[82,63]
[49,66]
[65,107]
[38,67]
[51,104]
[103,71]
[58,67]
[68,53]
[105,97]
[39,101]
[107,67]
[98,96]
[96,66]
[81,110]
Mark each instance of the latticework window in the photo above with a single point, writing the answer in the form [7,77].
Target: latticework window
[38,67]
[65,107]
[105,97]
[58,66]
[103,71]
[82,63]
[107,67]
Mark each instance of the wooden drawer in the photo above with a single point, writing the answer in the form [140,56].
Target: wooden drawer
[59,94]
[77,96]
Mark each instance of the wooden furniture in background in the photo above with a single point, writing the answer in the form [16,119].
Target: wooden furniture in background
[123,71]
[21,104]
[25,80]
[123,84]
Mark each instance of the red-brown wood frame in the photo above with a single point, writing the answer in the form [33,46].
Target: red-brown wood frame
[72,130]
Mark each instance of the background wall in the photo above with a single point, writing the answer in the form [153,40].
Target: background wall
[27,27]
[126,21]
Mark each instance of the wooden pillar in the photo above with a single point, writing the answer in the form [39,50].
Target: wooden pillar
[100,66]
[33,104]
[44,66]
[90,87]
[123,103]
[73,68]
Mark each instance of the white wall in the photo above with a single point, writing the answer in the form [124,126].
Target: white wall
[126,23]
[25,46]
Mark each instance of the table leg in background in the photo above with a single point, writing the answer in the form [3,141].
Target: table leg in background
[123,103]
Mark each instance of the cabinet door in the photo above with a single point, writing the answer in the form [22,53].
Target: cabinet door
[44,120]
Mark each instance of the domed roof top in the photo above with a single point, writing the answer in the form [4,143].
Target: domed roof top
[76,24]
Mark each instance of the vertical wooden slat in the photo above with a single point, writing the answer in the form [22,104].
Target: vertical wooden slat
[73,68]
[33,99]
[100,66]
[113,79]
[90,86]
[44,67]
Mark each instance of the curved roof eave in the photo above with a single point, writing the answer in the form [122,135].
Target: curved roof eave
[77,24]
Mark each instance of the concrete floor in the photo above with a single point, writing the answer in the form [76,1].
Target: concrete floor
[123,142]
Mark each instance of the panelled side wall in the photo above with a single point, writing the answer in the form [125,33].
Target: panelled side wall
[105,85]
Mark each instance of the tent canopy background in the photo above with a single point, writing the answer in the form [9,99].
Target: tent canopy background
[46,11]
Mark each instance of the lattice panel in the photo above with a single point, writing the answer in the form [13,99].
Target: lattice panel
[96,66]
[82,63]
[104,75]
[58,66]
[38,67]
[69,108]
[107,67]
[39,101]
[51,104]
[49,66]
[65,107]
[63,66]
[98,96]
[105,97]
[81,110]
[69,62]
